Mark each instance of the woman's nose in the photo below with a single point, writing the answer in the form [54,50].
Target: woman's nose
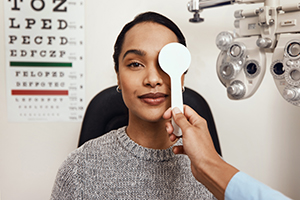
[153,77]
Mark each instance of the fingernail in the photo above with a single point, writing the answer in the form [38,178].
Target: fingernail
[176,110]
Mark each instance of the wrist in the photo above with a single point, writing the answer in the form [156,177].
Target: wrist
[215,174]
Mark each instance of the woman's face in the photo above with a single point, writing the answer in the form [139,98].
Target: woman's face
[145,87]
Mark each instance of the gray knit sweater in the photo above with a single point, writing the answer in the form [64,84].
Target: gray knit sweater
[115,167]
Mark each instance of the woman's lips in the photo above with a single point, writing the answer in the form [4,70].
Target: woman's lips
[153,98]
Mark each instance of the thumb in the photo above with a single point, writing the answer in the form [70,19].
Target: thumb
[180,119]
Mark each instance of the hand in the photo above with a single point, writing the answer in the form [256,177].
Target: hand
[206,165]
[197,142]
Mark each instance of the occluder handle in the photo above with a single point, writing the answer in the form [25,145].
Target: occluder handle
[176,101]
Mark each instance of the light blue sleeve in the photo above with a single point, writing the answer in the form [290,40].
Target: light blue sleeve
[243,186]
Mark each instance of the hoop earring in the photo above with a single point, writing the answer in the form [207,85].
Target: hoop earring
[183,88]
[118,89]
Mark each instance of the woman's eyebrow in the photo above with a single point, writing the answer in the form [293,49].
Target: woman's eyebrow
[134,51]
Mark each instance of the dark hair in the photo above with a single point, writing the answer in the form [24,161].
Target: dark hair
[145,17]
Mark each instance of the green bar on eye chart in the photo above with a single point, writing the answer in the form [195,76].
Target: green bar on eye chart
[40,64]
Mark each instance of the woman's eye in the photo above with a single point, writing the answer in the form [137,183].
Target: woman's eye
[134,64]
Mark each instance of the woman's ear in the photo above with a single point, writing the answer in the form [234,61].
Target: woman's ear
[119,82]
[182,79]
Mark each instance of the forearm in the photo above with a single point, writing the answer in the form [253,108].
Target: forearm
[215,174]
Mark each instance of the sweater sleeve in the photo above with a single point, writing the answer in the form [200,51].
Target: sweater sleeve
[68,182]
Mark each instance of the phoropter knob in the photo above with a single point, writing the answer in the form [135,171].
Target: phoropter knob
[236,90]
[291,94]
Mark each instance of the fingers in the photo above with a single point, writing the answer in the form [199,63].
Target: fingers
[170,129]
[184,121]
[178,150]
[173,137]
[192,116]
[168,114]
[180,119]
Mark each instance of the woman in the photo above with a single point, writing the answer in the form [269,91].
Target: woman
[135,162]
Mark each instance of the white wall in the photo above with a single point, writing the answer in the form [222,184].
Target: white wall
[259,135]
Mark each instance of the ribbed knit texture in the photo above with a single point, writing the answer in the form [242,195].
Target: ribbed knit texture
[115,167]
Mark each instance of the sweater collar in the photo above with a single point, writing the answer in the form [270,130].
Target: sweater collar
[143,152]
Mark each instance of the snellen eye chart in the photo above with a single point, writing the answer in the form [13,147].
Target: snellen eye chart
[44,44]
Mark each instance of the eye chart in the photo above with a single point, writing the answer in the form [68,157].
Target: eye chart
[44,44]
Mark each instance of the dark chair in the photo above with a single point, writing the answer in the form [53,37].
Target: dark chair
[107,112]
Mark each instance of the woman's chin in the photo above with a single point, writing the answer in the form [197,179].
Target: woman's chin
[150,114]
[153,117]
